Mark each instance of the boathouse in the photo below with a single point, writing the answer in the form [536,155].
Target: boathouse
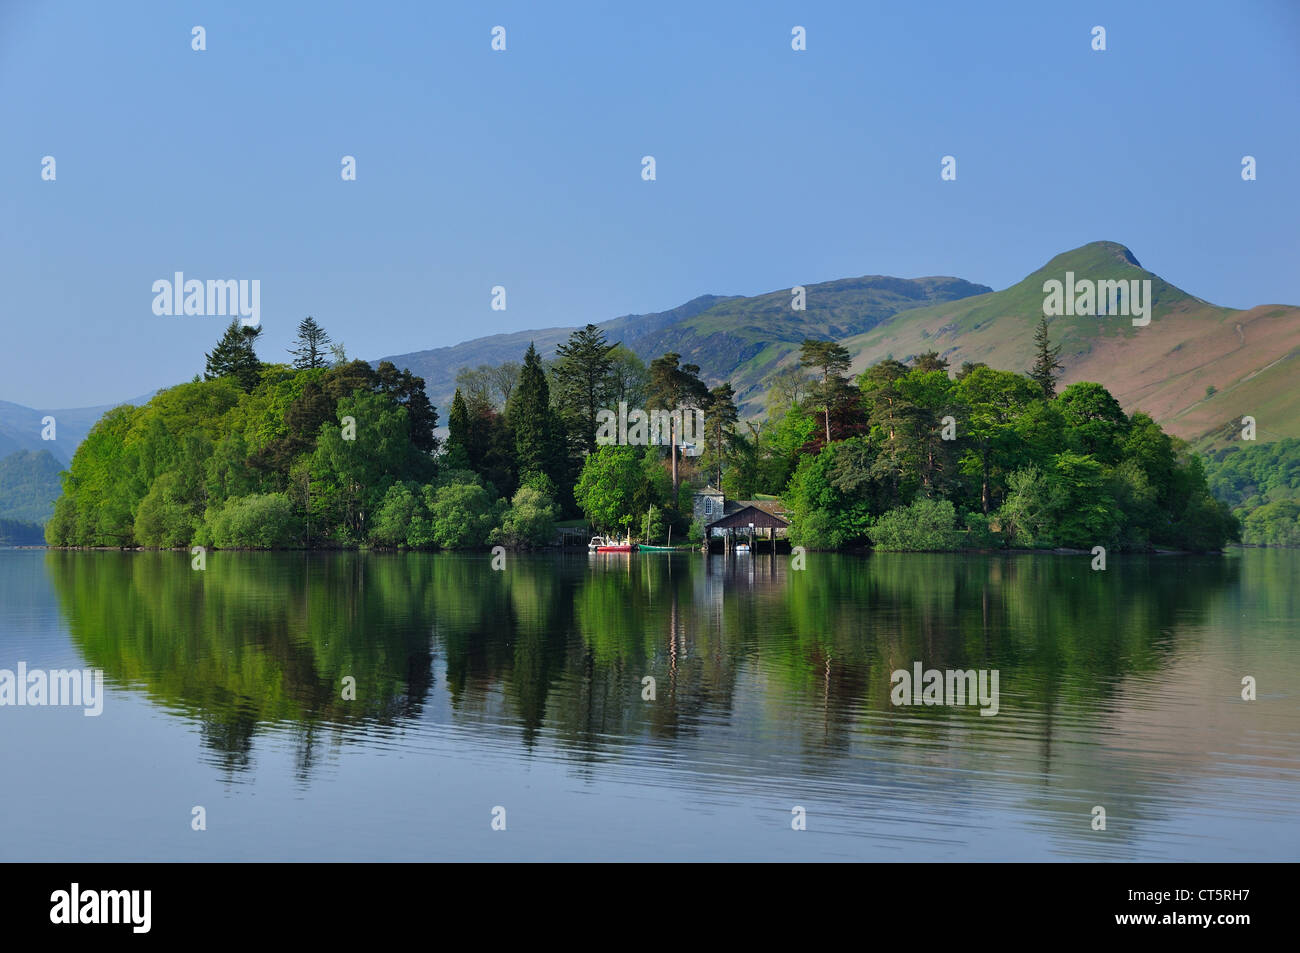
[761,522]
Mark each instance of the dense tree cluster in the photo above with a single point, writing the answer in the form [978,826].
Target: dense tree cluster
[905,456]
[1261,482]
[917,459]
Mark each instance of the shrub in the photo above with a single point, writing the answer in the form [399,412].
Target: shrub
[530,520]
[398,512]
[162,519]
[979,534]
[259,521]
[925,526]
[461,516]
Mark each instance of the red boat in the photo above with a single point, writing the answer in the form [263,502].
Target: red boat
[599,544]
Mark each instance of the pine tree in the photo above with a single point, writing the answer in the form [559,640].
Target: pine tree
[832,389]
[459,440]
[530,416]
[234,356]
[1046,361]
[312,343]
[674,387]
[720,417]
[583,376]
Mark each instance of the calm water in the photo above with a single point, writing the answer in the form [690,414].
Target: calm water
[523,689]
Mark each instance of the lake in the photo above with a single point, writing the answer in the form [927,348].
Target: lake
[355,706]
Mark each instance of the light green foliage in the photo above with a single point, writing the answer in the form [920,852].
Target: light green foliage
[530,520]
[1273,524]
[259,521]
[462,516]
[1261,482]
[1026,517]
[831,496]
[924,526]
[398,512]
[609,486]
[170,472]
[165,517]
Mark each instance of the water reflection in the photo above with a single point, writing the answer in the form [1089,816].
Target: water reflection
[561,645]
[1118,688]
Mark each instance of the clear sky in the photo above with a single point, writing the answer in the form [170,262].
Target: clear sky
[522,168]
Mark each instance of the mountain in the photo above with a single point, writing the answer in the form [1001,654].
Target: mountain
[1197,368]
[29,485]
[21,428]
[736,338]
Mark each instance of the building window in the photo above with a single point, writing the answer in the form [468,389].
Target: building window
[708,506]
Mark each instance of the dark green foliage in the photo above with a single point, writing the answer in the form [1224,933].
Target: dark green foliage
[904,456]
[675,386]
[583,374]
[1026,471]
[831,390]
[407,391]
[311,345]
[720,417]
[235,356]
[833,496]
[459,436]
[538,429]
[1046,361]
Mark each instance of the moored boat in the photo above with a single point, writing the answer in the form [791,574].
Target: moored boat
[600,544]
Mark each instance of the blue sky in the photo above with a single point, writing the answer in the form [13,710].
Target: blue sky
[523,168]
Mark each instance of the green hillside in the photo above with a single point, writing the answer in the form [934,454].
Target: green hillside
[1261,482]
[736,338]
[29,485]
[1197,368]
[745,339]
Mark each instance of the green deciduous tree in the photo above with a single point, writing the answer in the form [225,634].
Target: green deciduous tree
[610,488]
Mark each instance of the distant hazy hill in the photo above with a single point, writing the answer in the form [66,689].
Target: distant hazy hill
[1247,357]
[29,485]
[741,339]
[20,428]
